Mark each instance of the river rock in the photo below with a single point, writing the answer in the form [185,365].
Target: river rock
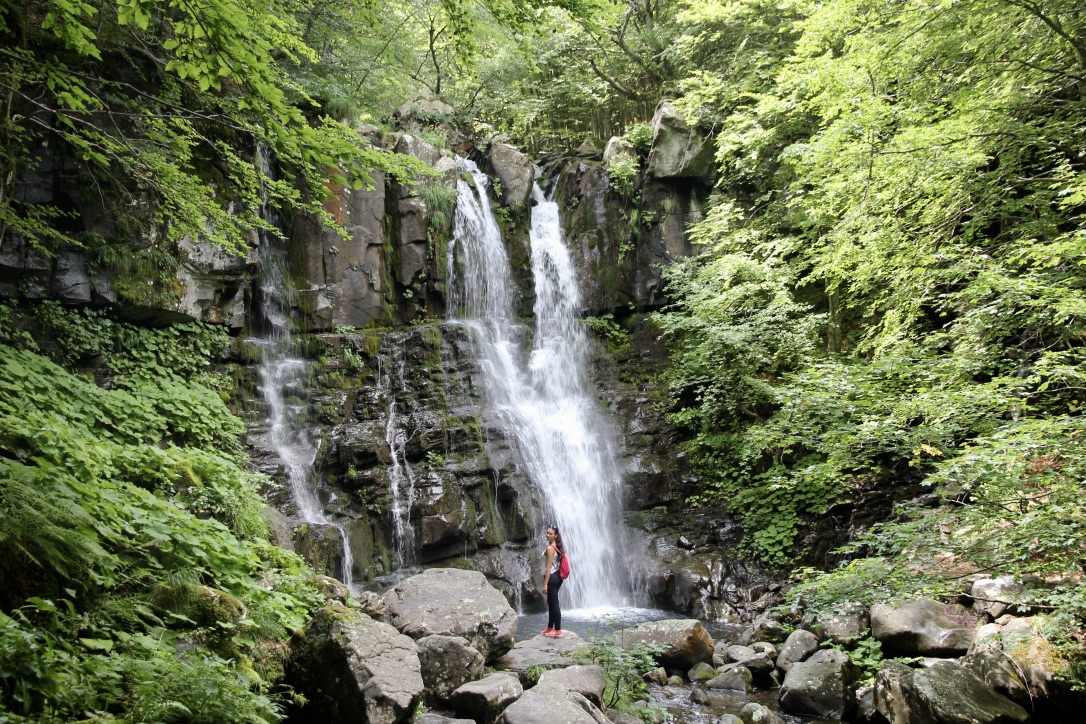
[736,653]
[699,696]
[485,699]
[942,694]
[587,681]
[921,628]
[701,672]
[798,646]
[764,647]
[752,713]
[515,171]
[656,676]
[763,628]
[825,690]
[994,597]
[551,703]
[847,621]
[541,651]
[454,602]
[678,151]
[352,668]
[729,719]
[685,641]
[829,656]
[448,662]
[736,679]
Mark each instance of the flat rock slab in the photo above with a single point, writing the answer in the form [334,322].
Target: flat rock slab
[552,704]
[352,668]
[485,699]
[453,602]
[541,651]
[587,681]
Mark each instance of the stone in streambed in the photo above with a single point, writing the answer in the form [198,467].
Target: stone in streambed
[798,646]
[484,700]
[448,662]
[825,690]
[685,642]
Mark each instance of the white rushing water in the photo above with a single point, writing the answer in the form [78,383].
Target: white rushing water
[545,398]
[401,476]
[283,378]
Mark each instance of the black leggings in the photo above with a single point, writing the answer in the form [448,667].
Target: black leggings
[554,611]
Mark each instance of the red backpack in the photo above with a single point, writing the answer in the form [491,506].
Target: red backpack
[563,567]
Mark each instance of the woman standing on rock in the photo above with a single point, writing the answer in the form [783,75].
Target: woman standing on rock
[552,581]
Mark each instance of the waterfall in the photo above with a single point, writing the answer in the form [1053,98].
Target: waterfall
[544,399]
[401,477]
[283,376]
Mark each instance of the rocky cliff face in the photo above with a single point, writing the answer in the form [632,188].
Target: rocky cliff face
[393,394]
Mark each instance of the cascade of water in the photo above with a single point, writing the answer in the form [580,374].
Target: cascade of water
[401,477]
[283,377]
[545,401]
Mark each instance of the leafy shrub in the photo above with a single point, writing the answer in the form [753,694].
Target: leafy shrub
[623,176]
[639,135]
[109,497]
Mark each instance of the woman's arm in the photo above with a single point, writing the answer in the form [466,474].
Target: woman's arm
[547,567]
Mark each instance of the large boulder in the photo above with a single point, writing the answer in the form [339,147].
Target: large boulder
[847,621]
[515,171]
[352,668]
[617,147]
[587,681]
[993,597]
[825,690]
[454,602]
[547,703]
[684,642]
[448,662]
[485,699]
[945,693]
[922,628]
[679,151]
[798,646]
[1014,658]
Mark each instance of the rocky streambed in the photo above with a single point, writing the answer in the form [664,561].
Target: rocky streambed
[444,645]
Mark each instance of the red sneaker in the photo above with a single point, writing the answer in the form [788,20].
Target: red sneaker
[547,631]
[556,633]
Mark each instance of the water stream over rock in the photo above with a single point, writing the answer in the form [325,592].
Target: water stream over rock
[283,381]
[544,398]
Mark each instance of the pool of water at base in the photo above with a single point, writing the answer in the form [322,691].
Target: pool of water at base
[603,620]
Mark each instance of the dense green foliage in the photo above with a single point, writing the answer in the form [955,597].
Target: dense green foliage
[138,579]
[891,294]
